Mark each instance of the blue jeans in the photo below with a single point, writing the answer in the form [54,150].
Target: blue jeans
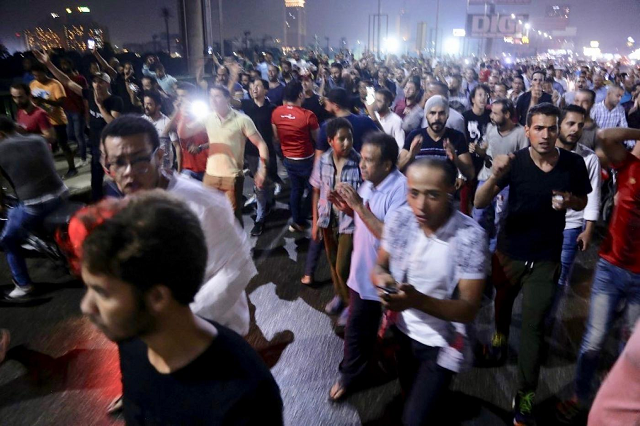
[490,218]
[75,130]
[21,220]
[192,174]
[299,172]
[611,285]
[264,198]
[569,252]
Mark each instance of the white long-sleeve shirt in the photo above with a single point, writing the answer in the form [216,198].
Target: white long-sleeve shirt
[230,267]
[591,212]
[392,125]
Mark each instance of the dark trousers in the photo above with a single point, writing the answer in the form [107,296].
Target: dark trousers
[63,141]
[97,172]
[538,282]
[423,382]
[313,255]
[299,172]
[75,130]
[360,337]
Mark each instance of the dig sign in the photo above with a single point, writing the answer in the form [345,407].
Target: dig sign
[495,26]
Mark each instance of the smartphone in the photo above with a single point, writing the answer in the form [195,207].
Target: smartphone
[388,290]
[371,96]
[91,44]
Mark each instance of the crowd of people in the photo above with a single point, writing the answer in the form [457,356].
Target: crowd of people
[425,181]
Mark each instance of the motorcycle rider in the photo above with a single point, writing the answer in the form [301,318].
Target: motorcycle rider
[27,163]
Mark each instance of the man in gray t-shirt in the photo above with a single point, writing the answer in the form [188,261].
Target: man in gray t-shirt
[27,163]
[502,137]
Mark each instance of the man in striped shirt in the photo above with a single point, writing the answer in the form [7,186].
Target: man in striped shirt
[609,113]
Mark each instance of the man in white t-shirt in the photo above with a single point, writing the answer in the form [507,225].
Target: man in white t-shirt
[380,111]
[431,269]
[168,139]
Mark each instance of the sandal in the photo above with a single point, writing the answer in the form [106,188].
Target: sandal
[338,391]
[116,406]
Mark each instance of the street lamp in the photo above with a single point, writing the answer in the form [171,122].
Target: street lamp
[527,26]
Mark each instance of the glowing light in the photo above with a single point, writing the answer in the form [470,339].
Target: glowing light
[459,32]
[520,21]
[83,9]
[68,10]
[630,40]
[199,109]
[513,16]
[390,45]
[451,46]
[55,15]
[594,43]
[527,26]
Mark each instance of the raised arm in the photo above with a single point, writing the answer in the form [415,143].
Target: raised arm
[104,64]
[59,75]
[611,142]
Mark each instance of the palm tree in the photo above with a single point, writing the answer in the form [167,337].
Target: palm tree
[155,42]
[166,14]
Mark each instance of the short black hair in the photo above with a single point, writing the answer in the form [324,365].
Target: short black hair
[7,125]
[37,66]
[544,75]
[137,246]
[386,93]
[340,97]
[445,165]
[22,86]
[457,77]
[335,124]
[264,82]
[155,95]
[190,88]
[591,93]
[152,79]
[292,91]
[442,89]
[387,145]
[549,80]
[571,108]
[336,65]
[506,106]
[220,88]
[545,108]
[475,90]
[128,125]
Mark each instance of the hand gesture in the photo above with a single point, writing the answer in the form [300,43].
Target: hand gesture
[560,204]
[501,165]
[193,149]
[584,240]
[472,147]
[403,300]
[450,150]
[349,195]
[416,144]
[98,98]
[260,178]
[414,71]
[42,56]
[336,199]
[460,183]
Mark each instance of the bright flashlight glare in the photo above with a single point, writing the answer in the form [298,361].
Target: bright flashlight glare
[391,45]
[451,46]
[199,109]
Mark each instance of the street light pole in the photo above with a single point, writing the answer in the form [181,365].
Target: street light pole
[435,49]
[221,32]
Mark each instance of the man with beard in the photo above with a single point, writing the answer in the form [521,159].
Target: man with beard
[383,80]
[503,137]
[138,294]
[544,182]
[312,101]
[380,111]
[30,118]
[408,108]
[168,138]
[569,97]
[457,99]
[580,225]
[275,91]
[336,79]
[585,98]
[437,140]
[531,98]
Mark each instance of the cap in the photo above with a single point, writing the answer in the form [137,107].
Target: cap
[102,76]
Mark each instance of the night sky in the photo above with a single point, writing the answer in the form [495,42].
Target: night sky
[609,21]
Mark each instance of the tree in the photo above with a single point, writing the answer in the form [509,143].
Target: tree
[4,52]
[166,14]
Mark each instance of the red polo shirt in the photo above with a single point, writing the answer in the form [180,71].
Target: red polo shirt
[194,162]
[34,122]
[295,125]
[620,246]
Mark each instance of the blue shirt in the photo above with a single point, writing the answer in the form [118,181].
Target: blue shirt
[323,178]
[167,83]
[276,94]
[361,124]
[387,197]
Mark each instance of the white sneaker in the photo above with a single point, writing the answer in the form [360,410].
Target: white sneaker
[20,291]
[252,200]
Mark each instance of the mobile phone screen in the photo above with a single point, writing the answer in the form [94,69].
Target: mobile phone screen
[91,44]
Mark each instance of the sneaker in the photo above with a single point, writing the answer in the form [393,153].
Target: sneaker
[342,319]
[71,173]
[257,229]
[571,412]
[251,200]
[83,163]
[277,189]
[523,409]
[294,227]
[20,291]
[335,306]
[495,353]
[5,339]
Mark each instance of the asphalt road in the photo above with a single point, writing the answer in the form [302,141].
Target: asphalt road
[62,371]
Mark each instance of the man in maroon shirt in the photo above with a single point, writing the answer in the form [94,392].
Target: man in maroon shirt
[30,118]
[617,276]
[296,130]
[75,109]
[195,148]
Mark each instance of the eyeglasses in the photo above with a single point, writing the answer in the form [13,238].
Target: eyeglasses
[138,165]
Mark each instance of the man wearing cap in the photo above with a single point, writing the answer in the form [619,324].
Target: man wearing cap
[338,104]
[103,109]
[437,140]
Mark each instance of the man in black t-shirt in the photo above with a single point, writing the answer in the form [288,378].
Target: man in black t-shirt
[177,368]
[543,183]
[312,101]
[437,140]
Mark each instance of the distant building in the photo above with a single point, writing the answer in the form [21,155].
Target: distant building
[69,30]
[295,24]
